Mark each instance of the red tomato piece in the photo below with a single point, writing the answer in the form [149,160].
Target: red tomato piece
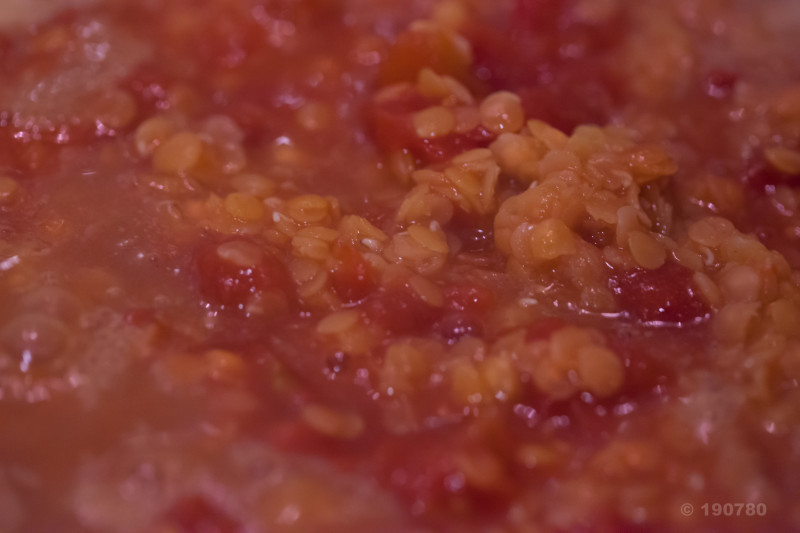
[449,146]
[665,296]
[401,312]
[391,119]
[230,283]
[351,275]
[393,130]
[470,297]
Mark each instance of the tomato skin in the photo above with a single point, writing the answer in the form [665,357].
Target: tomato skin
[228,284]
[449,146]
[402,312]
[664,296]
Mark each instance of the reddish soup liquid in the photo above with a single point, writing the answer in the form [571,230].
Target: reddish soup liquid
[378,265]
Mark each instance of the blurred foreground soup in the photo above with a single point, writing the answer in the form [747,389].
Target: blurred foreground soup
[380,265]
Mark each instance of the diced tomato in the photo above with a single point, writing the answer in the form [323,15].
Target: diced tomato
[470,297]
[229,284]
[351,275]
[665,296]
[196,515]
[393,129]
[400,311]
[390,119]
[449,146]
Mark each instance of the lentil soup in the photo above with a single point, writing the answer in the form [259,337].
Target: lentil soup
[389,265]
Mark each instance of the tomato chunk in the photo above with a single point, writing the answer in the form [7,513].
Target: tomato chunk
[351,275]
[400,311]
[393,129]
[665,296]
[470,297]
[232,273]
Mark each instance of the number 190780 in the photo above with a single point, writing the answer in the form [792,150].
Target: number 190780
[734,509]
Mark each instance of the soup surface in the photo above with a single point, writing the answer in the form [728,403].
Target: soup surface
[391,265]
